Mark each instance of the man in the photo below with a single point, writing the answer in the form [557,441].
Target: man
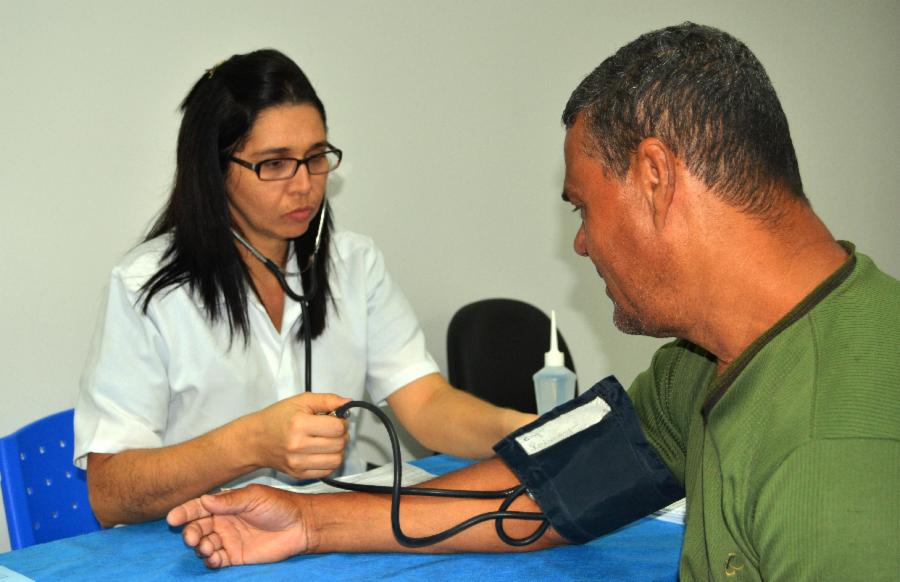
[778,406]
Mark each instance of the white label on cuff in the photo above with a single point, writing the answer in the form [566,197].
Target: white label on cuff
[561,428]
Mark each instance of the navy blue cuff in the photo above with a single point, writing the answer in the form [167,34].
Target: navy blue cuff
[603,475]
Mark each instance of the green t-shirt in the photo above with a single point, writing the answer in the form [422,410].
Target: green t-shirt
[791,458]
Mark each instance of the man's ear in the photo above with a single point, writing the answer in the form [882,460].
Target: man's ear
[655,177]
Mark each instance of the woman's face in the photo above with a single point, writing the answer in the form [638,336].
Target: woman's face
[271,213]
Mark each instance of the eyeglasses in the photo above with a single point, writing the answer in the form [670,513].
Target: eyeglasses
[286,168]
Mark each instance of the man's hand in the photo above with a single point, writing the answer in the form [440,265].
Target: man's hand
[251,525]
[297,436]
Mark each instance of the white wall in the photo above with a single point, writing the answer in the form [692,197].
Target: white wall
[449,116]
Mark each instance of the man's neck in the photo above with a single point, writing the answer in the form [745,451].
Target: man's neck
[753,277]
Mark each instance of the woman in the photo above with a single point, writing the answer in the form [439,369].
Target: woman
[195,376]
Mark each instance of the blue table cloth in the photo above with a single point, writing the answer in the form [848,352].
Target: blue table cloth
[646,550]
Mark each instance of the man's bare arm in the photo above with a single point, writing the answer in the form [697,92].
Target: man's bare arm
[363,524]
[261,524]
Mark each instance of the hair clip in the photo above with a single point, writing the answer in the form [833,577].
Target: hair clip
[212,71]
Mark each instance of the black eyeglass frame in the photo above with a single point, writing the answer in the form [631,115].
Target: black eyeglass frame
[297,161]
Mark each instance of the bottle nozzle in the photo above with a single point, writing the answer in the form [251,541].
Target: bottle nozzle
[554,357]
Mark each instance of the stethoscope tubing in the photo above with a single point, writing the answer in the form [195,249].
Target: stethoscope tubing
[396,489]
[302,298]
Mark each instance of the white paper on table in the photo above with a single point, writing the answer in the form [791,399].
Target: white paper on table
[673,513]
[7,575]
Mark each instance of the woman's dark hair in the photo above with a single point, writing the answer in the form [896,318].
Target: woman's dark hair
[218,114]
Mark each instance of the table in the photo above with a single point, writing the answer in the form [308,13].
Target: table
[646,550]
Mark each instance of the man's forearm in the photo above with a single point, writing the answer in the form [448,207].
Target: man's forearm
[143,484]
[361,522]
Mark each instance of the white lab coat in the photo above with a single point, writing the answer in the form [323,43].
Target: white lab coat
[167,376]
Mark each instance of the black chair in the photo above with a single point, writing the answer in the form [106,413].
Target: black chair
[494,347]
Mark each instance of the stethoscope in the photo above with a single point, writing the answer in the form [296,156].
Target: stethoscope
[302,298]
[508,495]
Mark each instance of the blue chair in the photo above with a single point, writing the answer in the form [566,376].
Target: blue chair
[44,494]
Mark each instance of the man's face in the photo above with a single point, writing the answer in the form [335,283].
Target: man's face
[616,235]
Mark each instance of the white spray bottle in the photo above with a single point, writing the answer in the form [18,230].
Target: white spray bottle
[554,383]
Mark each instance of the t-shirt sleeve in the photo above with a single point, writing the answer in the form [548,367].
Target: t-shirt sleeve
[651,393]
[123,398]
[396,344]
[831,511]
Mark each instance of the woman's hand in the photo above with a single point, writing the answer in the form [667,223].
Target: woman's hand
[298,436]
[251,525]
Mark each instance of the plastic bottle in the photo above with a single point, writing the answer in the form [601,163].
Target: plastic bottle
[554,383]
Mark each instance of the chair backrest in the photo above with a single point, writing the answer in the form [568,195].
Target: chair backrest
[44,494]
[494,347]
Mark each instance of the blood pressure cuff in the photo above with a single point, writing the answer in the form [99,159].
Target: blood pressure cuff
[589,466]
